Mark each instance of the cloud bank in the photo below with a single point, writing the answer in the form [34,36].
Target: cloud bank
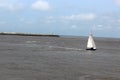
[41,5]
[11,5]
[80,17]
[117,2]
[14,5]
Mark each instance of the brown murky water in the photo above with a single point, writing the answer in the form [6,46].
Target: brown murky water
[58,58]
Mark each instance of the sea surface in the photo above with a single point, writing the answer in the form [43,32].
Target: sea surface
[58,58]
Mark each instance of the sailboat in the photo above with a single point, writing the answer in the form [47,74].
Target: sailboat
[91,44]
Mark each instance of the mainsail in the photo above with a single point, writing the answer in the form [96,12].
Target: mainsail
[91,44]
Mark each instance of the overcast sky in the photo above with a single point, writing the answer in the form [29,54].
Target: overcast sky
[62,17]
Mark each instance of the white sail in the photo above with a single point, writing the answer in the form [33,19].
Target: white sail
[91,43]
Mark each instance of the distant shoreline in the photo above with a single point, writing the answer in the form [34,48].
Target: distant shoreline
[27,34]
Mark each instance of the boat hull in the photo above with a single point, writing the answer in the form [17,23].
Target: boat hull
[92,49]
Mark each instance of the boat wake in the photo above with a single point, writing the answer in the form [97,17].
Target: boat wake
[64,48]
[49,47]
